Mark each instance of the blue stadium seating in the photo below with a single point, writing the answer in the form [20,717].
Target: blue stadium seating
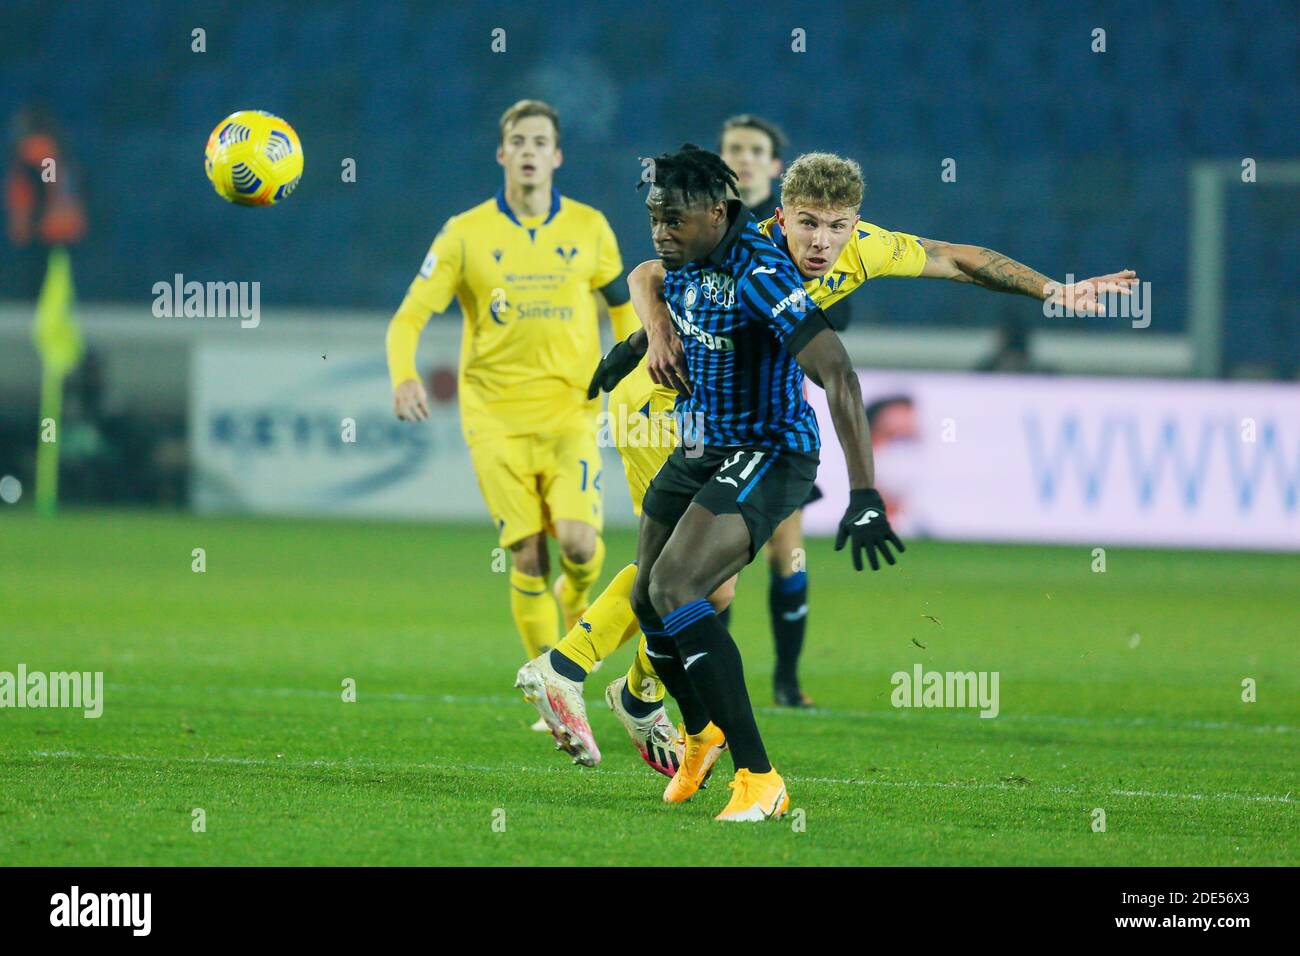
[1070,159]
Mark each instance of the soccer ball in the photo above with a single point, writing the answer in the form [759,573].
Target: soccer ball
[253,158]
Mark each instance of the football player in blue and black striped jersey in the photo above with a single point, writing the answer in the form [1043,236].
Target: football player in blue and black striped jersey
[747,459]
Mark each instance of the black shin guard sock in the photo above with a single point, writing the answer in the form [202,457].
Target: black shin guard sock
[787,601]
[662,651]
[712,663]
[724,617]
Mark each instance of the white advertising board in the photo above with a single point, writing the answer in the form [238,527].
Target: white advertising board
[267,436]
[1079,460]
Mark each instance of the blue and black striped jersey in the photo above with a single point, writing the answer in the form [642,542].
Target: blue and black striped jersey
[742,314]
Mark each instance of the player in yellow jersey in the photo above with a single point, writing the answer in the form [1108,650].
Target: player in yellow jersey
[523,266]
[819,227]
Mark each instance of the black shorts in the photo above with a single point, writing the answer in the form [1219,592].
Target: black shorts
[764,485]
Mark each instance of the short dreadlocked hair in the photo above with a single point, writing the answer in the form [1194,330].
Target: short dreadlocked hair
[695,173]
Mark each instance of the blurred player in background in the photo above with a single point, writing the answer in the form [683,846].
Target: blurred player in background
[523,265]
[753,147]
[42,205]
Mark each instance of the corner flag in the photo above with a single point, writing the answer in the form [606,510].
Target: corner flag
[58,340]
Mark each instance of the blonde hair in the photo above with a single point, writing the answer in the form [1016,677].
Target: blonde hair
[526,108]
[822,181]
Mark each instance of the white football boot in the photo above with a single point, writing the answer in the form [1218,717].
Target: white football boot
[654,737]
[559,702]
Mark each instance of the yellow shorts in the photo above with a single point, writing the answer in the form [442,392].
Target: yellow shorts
[531,481]
[642,427]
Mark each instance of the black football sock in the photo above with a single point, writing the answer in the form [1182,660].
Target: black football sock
[724,617]
[787,601]
[662,651]
[712,662]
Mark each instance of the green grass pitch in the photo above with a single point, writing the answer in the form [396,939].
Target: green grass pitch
[1119,691]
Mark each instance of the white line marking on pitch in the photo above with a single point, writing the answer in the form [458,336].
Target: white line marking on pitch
[809,714]
[378,765]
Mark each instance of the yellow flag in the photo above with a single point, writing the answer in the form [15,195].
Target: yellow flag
[55,331]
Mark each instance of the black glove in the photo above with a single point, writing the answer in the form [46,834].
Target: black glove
[866,524]
[616,364]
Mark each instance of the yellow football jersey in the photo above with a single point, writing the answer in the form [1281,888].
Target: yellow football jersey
[530,339]
[872,253]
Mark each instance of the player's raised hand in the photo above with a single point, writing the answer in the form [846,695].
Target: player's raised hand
[665,360]
[410,401]
[1086,297]
[866,525]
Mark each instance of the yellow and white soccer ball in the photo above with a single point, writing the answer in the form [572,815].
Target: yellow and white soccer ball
[253,158]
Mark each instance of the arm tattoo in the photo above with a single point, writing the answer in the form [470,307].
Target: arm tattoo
[996,271]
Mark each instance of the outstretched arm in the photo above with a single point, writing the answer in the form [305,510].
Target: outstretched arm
[993,270]
[826,362]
